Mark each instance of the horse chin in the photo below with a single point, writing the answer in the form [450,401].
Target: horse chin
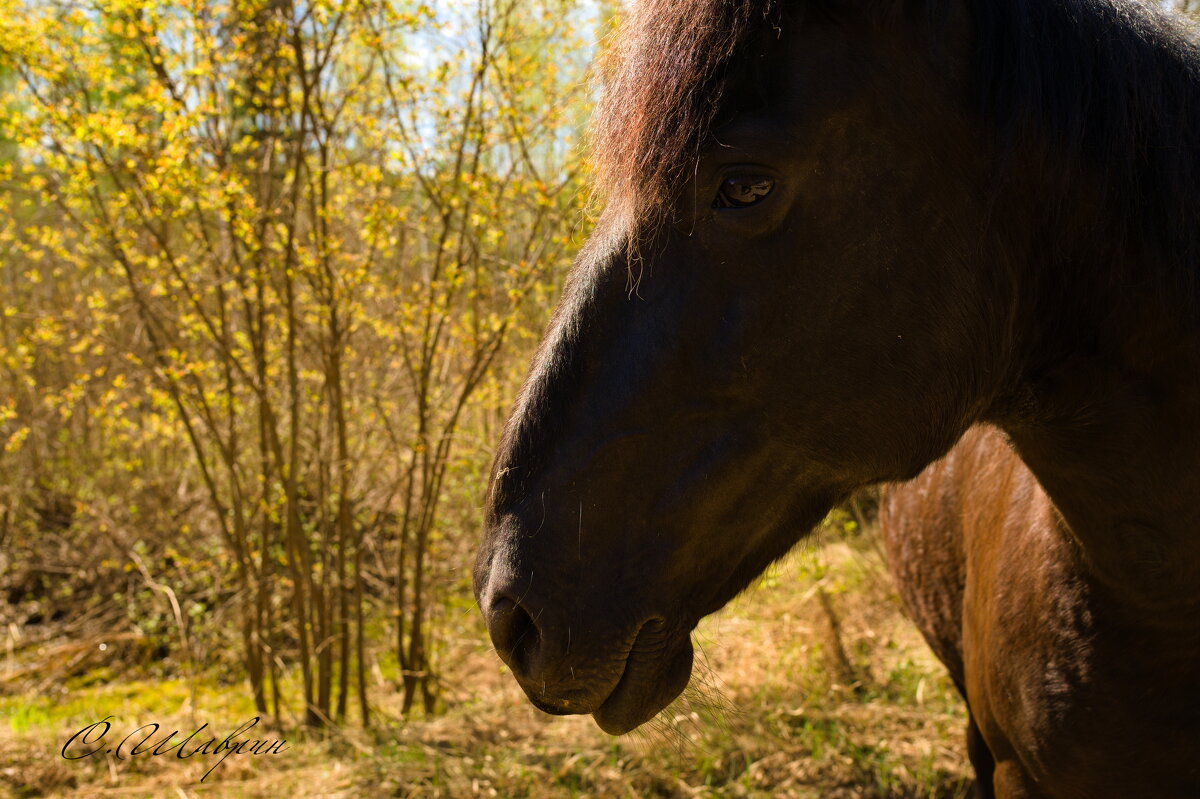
[652,679]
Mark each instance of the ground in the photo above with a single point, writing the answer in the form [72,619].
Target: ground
[812,684]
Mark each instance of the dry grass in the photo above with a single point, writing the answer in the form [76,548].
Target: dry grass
[785,708]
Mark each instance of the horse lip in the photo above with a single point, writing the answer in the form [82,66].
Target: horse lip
[563,707]
[608,715]
[553,710]
[624,668]
[581,702]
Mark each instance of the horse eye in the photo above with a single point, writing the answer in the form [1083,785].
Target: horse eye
[743,192]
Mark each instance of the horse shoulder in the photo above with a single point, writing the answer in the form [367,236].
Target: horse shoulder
[923,523]
[1046,660]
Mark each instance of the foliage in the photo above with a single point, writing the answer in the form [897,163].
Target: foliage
[265,261]
[269,272]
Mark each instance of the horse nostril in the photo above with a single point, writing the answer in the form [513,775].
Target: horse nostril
[514,634]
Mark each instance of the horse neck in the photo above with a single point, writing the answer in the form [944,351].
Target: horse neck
[1105,410]
[1102,215]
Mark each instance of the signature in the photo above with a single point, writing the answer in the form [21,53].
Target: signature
[138,742]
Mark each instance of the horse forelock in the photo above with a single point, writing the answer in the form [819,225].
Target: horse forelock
[665,80]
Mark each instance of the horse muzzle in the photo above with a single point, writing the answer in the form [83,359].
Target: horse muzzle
[622,678]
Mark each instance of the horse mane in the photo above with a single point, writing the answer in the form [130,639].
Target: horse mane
[1113,89]
[1109,85]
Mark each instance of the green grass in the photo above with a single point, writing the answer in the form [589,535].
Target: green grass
[91,697]
[771,718]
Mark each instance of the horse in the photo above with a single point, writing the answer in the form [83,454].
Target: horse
[947,245]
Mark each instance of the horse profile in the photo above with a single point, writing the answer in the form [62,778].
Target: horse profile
[851,242]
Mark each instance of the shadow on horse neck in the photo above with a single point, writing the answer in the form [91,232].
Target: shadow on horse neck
[839,236]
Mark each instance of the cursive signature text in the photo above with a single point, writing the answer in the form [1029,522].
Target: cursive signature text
[90,741]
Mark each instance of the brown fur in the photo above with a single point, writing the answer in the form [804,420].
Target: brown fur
[1047,655]
[983,213]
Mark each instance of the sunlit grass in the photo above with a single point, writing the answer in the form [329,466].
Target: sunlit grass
[766,715]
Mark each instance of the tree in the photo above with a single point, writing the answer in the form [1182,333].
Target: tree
[304,235]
